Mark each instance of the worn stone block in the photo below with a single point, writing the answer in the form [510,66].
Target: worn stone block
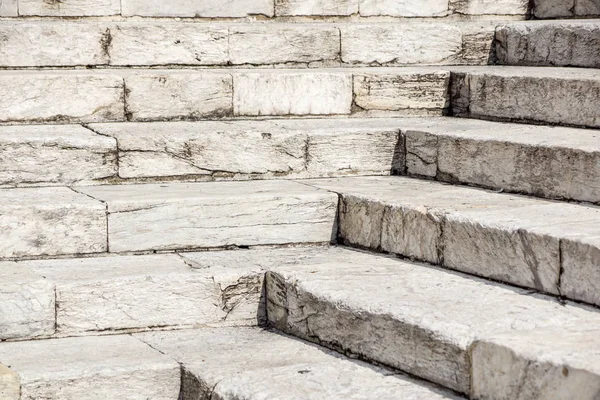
[404,8]
[483,7]
[316,7]
[565,8]
[193,8]
[71,8]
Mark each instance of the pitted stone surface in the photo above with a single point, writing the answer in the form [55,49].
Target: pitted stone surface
[565,8]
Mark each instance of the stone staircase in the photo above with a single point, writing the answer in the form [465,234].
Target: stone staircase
[299,199]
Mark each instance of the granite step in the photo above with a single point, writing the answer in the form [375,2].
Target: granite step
[151,217]
[113,95]
[568,43]
[546,95]
[565,8]
[548,246]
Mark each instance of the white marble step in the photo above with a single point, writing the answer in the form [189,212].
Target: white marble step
[550,95]
[69,96]
[548,246]
[123,218]
[574,43]
[565,8]
[60,43]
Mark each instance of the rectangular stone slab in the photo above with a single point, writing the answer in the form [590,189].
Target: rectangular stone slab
[316,7]
[193,8]
[9,8]
[496,7]
[50,221]
[565,8]
[182,216]
[71,8]
[94,368]
[55,154]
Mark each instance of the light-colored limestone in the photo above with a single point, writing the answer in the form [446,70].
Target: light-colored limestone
[66,96]
[482,7]
[549,43]
[199,9]
[50,221]
[94,368]
[565,8]
[550,95]
[316,7]
[180,216]
[180,95]
[10,384]
[65,154]
[228,364]
[420,319]
[580,260]
[544,161]
[549,364]
[9,8]
[292,93]
[404,8]
[27,305]
[70,8]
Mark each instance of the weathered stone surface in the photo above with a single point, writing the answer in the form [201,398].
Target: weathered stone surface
[551,95]
[549,43]
[410,316]
[50,221]
[179,95]
[168,43]
[482,7]
[565,8]
[71,8]
[264,44]
[552,162]
[179,216]
[39,43]
[580,260]
[292,93]
[26,305]
[228,364]
[193,8]
[66,96]
[9,8]
[403,89]
[10,385]
[108,367]
[404,8]
[540,364]
[316,7]
[65,154]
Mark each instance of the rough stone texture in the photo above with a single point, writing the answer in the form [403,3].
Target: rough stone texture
[404,8]
[39,43]
[544,161]
[128,292]
[180,95]
[26,305]
[194,8]
[405,89]
[229,364]
[549,43]
[66,96]
[482,7]
[410,316]
[580,260]
[179,216]
[550,364]
[65,154]
[550,95]
[316,7]
[9,8]
[10,385]
[565,8]
[292,93]
[70,8]
[94,368]
[50,221]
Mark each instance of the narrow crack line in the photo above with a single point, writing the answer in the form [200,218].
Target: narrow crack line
[106,213]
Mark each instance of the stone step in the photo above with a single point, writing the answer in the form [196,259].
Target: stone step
[124,218]
[563,96]
[565,8]
[121,44]
[551,162]
[263,8]
[570,43]
[223,363]
[72,96]
[548,246]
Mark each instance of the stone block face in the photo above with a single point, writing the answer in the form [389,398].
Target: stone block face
[9,8]
[75,8]
[50,221]
[565,8]
[68,97]
[182,95]
[27,307]
[580,259]
[193,8]
[316,7]
[96,367]
[51,154]
[10,385]
[404,8]
[498,7]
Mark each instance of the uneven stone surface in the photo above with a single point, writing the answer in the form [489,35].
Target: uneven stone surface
[51,154]
[538,364]
[71,8]
[482,7]
[567,96]
[549,43]
[315,7]
[92,368]
[27,306]
[228,364]
[544,161]
[193,8]
[565,8]
[180,216]
[407,315]
[50,221]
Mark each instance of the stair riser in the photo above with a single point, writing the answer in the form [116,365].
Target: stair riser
[565,9]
